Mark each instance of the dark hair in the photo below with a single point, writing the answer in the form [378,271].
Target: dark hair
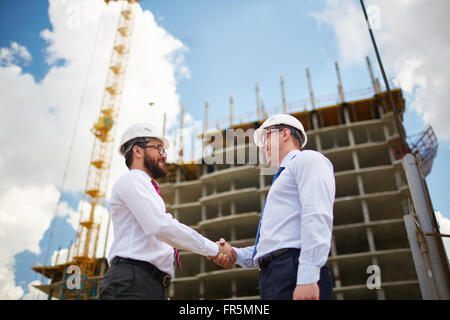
[294,132]
[140,142]
[129,145]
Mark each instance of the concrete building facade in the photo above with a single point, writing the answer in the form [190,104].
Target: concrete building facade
[372,196]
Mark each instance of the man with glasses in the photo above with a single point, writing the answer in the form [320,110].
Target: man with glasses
[146,236]
[294,233]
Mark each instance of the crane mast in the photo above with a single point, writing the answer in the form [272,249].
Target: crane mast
[104,129]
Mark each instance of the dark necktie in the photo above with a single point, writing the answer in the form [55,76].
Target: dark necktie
[175,250]
[277,174]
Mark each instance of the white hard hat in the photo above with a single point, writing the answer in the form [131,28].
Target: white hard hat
[141,130]
[277,120]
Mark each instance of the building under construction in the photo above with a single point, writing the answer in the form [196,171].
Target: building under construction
[372,196]
[378,219]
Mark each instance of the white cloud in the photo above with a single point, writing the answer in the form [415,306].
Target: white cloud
[38,118]
[413,40]
[33,293]
[346,20]
[14,55]
[25,214]
[444,227]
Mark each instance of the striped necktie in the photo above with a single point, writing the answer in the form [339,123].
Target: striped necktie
[175,250]
[277,174]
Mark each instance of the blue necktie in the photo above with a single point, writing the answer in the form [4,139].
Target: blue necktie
[277,174]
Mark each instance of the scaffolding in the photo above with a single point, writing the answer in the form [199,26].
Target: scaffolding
[425,145]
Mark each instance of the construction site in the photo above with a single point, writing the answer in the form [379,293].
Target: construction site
[383,215]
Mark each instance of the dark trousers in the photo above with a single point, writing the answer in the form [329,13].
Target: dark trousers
[126,281]
[278,279]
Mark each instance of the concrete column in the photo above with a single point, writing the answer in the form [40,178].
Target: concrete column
[391,155]
[178,176]
[335,267]
[380,109]
[355,160]
[398,179]
[176,201]
[351,137]
[318,142]
[219,208]
[262,182]
[233,233]
[369,138]
[233,207]
[369,232]
[233,202]
[315,121]
[201,290]
[346,116]
[203,212]
[386,132]
[262,185]
[177,196]
[371,241]
[360,185]
[380,292]
[233,288]
[203,207]
[387,136]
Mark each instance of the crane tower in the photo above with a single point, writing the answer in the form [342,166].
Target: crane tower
[85,263]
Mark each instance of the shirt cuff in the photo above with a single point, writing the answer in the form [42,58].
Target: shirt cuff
[307,274]
[240,259]
[211,248]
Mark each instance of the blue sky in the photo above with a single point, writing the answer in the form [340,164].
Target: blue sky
[231,46]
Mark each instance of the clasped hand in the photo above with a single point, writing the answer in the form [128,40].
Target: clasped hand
[226,256]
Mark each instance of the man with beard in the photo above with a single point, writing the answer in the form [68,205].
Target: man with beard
[146,236]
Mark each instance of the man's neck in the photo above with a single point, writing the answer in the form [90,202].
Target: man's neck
[142,169]
[284,153]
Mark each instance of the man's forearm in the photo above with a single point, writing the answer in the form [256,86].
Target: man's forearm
[316,241]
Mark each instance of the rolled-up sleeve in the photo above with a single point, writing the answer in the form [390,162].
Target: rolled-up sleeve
[316,188]
[140,197]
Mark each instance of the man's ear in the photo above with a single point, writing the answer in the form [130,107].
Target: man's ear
[138,151]
[286,134]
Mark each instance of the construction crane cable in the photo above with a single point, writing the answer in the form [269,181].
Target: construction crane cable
[74,133]
[398,123]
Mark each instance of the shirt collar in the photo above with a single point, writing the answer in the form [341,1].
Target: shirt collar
[289,157]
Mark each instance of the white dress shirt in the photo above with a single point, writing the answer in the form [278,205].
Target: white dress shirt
[298,214]
[142,228]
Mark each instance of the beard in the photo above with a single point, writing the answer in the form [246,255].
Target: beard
[153,166]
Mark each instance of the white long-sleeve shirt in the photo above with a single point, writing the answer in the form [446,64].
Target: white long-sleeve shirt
[142,228]
[298,214]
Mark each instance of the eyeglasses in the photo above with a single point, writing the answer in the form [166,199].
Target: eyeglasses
[159,147]
[266,132]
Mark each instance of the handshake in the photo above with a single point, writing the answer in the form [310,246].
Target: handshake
[226,256]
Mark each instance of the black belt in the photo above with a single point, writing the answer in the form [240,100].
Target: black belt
[264,261]
[162,277]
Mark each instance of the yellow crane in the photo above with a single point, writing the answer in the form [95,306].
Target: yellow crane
[84,265]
